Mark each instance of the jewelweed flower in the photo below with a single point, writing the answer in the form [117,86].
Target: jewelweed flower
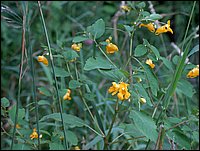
[77,47]
[142,100]
[43,60]
[126,8]
[67,95]
[34,134]
[76,148]
[150,63]
[18,126]
[164,29]
[121,89]
[111,48]
[149,26]
[193,73]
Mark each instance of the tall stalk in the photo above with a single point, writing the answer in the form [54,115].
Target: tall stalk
[53,69]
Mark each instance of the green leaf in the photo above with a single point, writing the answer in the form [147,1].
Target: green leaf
[69,55]
[45,91]
[97,29]
[153,83]
[73,84]
[5,102]
[141,5]
[70,120]
[129,29]
[79,39]
[12,114]
[99,62]
[140,50]
[153,17]
[185,88]
[60,72]
[71,137]
[167,63]
[143,93]
[56,146]
[195,49]
[144,124]
[155,51]
[43,102]
[115,74]
[93,142]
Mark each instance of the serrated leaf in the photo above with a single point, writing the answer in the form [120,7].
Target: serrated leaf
[115,74]
[140,50]
[154,17]
[56,146]
[60,72]
[71,137]
[185,88]
[130,129]
[153,83]
[5,102]
[12,114]
[144,124]
[155,51]
[79,39]
[43,102]
[99,62]
[97,29]
[167,63]
[44,91]
[93,142]
[69,55]
[70,120]
[73,84]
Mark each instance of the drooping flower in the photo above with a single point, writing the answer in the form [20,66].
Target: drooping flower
[43,60]
[193,73]
[142,100]
[34,134]
[150,63]
[126,8]
[77,148]
[121,89]
[111,48]
[77,47]
[149,26]
[18,126]
[163,29]
[67,95]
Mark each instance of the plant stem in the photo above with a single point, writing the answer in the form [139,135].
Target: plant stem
[52,64]
[111,126]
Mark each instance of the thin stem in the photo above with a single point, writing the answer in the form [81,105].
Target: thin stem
[52,64]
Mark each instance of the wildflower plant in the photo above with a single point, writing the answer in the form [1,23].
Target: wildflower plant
[110,82]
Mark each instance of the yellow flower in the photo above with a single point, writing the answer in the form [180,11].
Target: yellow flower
[77,47]
[43,60]
[126,8]
[121,89]
[34,134]
[150,63]
[76,148]
[142,100]
[149,26]
[18,126]
[193,73]
[67,95]
[114,89]
[111,48]
[164,29]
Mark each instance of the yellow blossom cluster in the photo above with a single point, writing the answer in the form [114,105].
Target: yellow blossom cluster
[77,47]
[121,89]
[67,95]
[34,134]
[111,48]
[193,73]
[163,29]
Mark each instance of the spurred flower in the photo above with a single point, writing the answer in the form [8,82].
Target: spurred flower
[77,47]
[67,95]
[149,26]
[18,126]
[111,48]
[121,89]
[150,63]
[34,134]
[164,29]
[193,73]
[126,8]
[142,100]
[43,60]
